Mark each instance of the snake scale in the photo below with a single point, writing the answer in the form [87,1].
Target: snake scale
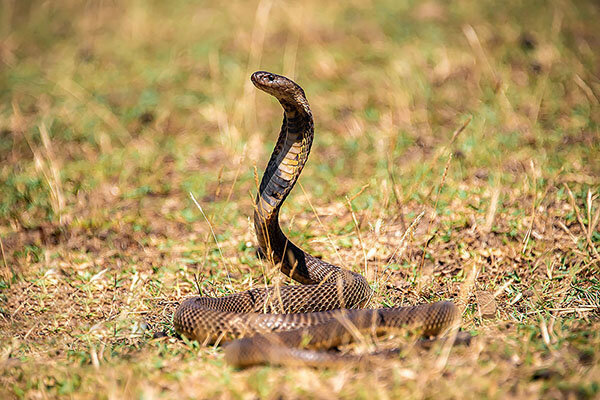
[293,324]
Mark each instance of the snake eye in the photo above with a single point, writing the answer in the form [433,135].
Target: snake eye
[271,77]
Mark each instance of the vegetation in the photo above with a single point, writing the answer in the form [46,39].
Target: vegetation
[457,156]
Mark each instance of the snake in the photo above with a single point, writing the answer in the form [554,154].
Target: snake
[297,324]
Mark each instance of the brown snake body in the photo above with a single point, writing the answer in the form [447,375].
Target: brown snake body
[280,324]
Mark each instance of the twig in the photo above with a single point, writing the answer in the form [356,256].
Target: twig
[362,246]
[491,214]
[395,192]
[533,208]
[362,189]
[580,220]
[213,234]
[5,262]
[475,44]
[408,231]
[455,134]
[434,212]
[321,224]
[237,174]
[261,19]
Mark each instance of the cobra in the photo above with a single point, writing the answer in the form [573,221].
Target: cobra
[294,324]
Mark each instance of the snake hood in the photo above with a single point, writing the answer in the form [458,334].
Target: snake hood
[289,93]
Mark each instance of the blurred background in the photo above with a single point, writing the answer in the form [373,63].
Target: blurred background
[480,115]
[123,89]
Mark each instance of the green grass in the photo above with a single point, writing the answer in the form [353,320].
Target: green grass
[111,113]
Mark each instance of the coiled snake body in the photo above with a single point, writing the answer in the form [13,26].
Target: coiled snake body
[285,324]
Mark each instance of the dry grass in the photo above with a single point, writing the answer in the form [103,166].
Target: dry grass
[111,113]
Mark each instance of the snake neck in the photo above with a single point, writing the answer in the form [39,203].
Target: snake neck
[282,172]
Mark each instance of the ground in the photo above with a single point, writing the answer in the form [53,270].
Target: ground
[456,157]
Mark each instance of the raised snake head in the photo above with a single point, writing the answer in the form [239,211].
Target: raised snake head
[289,93]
